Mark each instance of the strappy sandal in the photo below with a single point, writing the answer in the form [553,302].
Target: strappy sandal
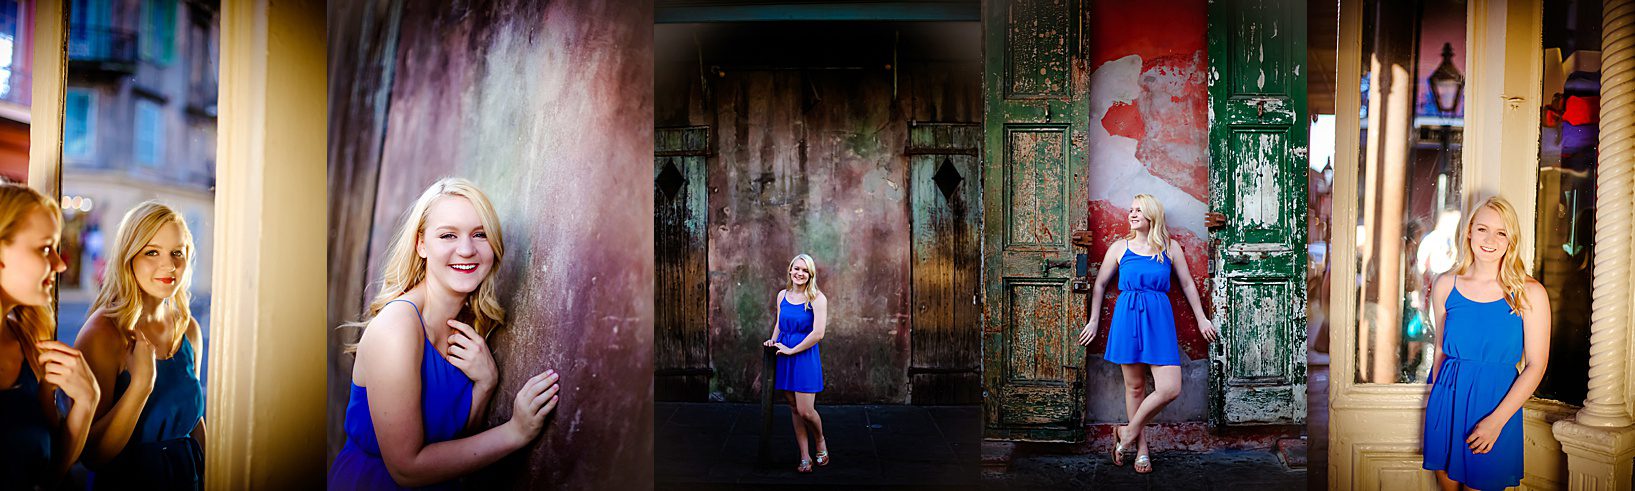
[805,466]
[822,458]
[1143,464]
[1118,448]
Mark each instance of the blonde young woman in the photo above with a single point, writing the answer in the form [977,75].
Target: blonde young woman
[424,375]
[1142,334]
[142,343]
[803,312]
[37,446]
[1490,316]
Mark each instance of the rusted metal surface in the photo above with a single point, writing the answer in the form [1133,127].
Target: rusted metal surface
[362,45]
[824,180]
[547,107]
[680,331]
[1034,184]
[945,183]
[810,155]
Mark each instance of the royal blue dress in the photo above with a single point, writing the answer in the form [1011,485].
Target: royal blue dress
[161,453]
[25,435]
[1143,329]
[803,371]
[1483,344]
[445,405]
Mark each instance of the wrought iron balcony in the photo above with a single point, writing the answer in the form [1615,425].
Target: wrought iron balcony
[101,49]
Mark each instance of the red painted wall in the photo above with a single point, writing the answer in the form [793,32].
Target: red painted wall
[1150,134]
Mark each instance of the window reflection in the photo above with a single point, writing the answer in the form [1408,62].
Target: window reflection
[1409,180]
[1568,133]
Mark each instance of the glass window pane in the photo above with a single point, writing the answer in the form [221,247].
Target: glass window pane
[79,123]
[150,133]
[1409,180]
[1568,131]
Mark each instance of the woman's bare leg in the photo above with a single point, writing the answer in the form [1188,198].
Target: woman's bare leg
[800,425]
[1135,391]
[1167,386]
[807,409]
[1447,483]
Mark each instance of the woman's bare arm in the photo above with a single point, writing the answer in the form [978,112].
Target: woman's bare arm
[820,317]
[389,355]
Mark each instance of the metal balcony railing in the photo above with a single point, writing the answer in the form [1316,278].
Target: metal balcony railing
[102,48]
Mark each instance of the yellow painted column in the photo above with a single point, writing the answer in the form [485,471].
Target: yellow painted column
[46,113]
[1600,441]
[267,361]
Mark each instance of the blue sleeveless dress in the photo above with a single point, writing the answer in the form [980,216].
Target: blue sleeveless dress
[1143,329]
[445,404]
[25,436]
[1483,343]
[803,371]
[161,453]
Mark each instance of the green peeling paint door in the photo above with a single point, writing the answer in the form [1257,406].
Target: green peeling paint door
[1034,197]
[946,218]
[1257,137]
[681,348]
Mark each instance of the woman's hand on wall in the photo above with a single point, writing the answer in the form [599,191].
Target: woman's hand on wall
[469,352]
[768,343]
[533,403]
[1088,334]
[1208,330]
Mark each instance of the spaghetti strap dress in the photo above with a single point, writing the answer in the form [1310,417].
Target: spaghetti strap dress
[803,371]
[25,435]
[445,404]
[1143,329]
[1483,344]
[161,452]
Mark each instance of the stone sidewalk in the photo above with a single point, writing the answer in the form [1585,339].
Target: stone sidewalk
[1046,466]
[715,445]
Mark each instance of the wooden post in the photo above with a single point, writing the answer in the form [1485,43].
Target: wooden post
[769,367]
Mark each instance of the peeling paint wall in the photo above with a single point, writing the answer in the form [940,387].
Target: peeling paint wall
[1149,133]
[809,144]
[548,108]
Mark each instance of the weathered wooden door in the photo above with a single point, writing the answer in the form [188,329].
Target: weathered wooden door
[1257,137]
[946,216]
[1034,196]
[681,365]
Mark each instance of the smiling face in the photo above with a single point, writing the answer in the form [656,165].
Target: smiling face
[1489,240]
[29,263]
[1139,222]
[799,272]
[162,262]
[455,245]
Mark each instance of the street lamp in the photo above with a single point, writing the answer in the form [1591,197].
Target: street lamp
[1447,84]
[1447,87]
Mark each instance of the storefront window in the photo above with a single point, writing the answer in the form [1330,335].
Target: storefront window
[1409,180]
[1563,244]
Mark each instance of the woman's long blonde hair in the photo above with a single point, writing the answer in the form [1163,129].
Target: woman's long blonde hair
[1157,233]
[120,295]
[30,323]
[404,269]
[1512,273]
[811,289]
